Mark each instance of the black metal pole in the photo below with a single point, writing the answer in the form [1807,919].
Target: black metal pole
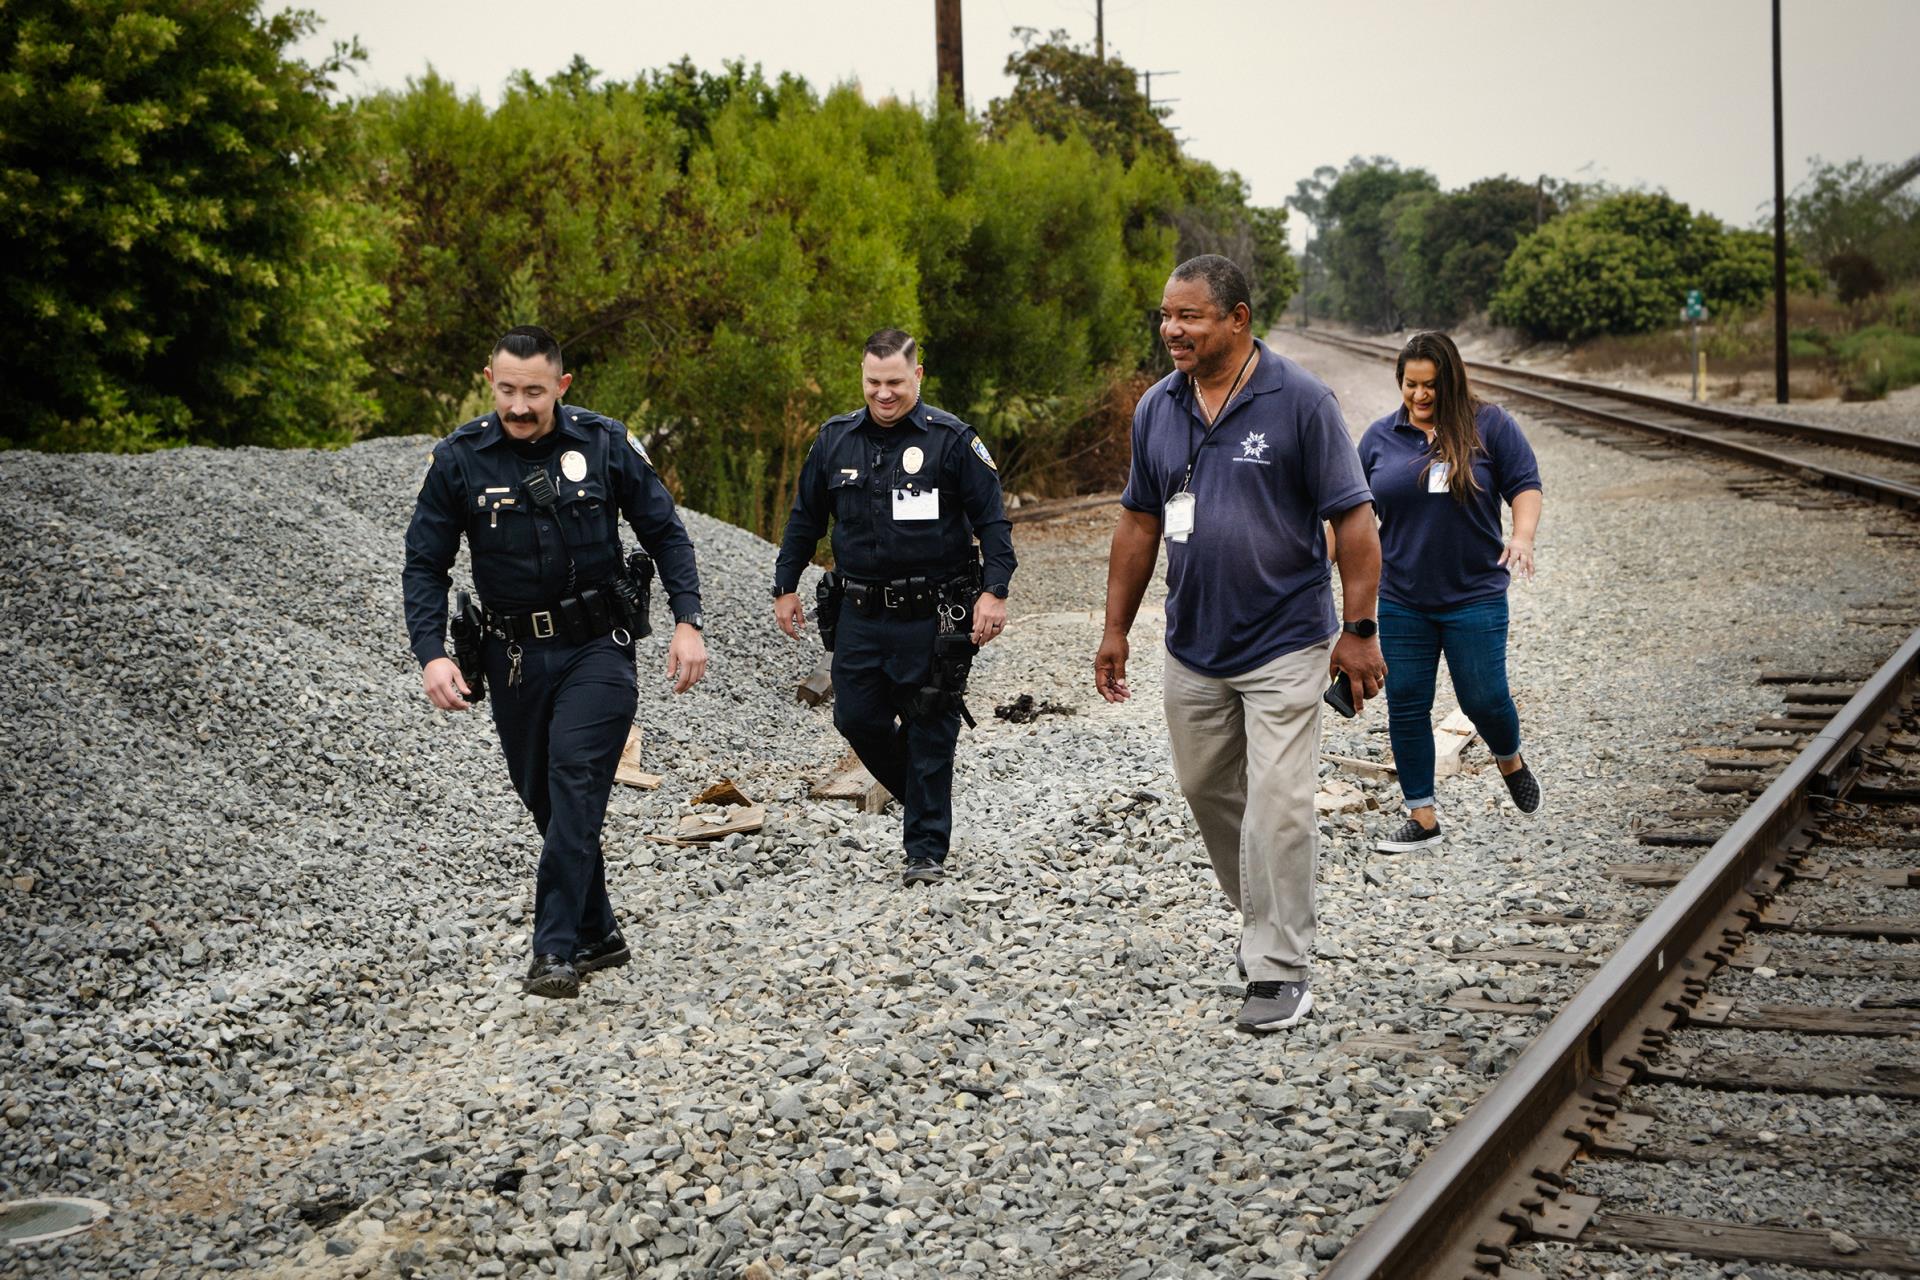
[1779,226]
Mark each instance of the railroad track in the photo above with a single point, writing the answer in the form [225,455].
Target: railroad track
[1788,891]
[1881,469]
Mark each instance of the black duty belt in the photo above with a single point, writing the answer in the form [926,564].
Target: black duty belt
[911,598]
[577,619]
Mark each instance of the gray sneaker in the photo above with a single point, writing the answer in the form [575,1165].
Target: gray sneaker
[1273,1006]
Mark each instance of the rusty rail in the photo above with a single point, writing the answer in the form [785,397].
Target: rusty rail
[1497,1177]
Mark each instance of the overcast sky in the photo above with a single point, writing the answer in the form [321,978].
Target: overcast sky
[1673,94]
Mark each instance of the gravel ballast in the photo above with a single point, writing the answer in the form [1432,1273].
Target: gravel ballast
[264,908]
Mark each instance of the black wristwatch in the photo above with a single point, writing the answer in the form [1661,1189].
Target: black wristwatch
[777,592]
[1365,628]
[695,621]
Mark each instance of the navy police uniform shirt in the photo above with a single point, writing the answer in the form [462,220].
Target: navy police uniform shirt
[906,501]
[1436,553]
[475,484]
[1251,582]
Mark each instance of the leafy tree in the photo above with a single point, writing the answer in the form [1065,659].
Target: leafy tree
[1061,88]
[1622,266]
[186,264]
[1860,222]
[1355,239]
[1444,251]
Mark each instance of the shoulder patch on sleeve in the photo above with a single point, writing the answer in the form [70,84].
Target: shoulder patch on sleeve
[634,441]
[980,451]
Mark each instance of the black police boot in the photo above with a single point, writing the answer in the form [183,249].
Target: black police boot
[552,977]
[923,871]
[609,953]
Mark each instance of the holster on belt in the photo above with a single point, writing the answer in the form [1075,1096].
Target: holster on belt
[828,593]
[468,630]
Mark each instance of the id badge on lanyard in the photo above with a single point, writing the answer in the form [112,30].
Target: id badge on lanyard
[1179,516]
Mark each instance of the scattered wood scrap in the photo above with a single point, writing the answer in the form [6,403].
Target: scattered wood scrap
[1450,742]
[849,780]
[629,770]
[722,792]
[700,828]
[818,686]
[1372,768]
[1335,796]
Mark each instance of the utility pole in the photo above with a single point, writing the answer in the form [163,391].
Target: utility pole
[946,42]
[1149,90]
[1100,30]
[1779,225]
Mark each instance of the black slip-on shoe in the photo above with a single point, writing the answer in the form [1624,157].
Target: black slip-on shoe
[1273,1006]
[552,977]
[1524,788]
[1409,837]
[609,953]
[923,871]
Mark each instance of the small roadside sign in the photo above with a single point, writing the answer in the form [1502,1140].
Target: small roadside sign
[1696,308]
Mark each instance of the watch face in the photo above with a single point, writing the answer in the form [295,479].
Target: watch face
[697,622]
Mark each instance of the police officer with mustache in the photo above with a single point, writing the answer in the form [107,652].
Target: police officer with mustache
[539,487]
[907,488]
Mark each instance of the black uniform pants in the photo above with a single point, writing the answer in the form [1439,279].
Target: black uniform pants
[562,728]
[877,663]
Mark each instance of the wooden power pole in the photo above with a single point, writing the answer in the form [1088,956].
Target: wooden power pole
[946,37]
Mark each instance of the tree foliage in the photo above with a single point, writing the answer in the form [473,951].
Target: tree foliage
[1623,265]
[1444,251]
[1062,89]
[186,264]
[1860,223]
[1354,221]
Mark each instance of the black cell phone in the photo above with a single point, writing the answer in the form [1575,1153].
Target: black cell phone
[1339,695]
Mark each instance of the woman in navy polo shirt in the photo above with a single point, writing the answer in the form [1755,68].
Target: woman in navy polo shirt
[1439,467]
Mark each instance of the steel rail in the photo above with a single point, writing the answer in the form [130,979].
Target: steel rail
[1836,437]
[1879,489]
[1478,1191]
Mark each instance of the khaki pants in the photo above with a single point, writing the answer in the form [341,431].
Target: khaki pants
[1245,750]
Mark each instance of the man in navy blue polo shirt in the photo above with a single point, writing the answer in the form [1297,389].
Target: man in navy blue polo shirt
[1238,456]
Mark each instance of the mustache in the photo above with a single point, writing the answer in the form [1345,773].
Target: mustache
[521,417]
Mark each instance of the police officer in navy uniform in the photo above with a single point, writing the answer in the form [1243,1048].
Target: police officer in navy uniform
[538,487]
[908,488]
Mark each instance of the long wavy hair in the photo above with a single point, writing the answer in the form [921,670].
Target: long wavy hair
[1455,437]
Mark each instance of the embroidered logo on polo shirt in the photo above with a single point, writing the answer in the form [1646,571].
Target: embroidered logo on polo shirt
[1254,448]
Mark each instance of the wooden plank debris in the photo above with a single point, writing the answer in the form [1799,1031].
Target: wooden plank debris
[1335,796]
[849,780]
[628,771]
[818,686]
[722,792]
[1450,742]
[1371,768]
[1785,1246]
[699,828]
[1758,955]
[1474,1000]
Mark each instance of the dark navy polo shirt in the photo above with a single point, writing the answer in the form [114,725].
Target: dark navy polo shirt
[1436,553]
[1251,583]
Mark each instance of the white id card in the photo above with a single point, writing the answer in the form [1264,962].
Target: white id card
[924,505]
[1179,517]
[1437,478]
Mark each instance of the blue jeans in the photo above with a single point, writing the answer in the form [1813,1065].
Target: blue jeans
[1474,638]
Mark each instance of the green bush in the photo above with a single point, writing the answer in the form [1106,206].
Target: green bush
[182,255]
[1879,359]
[1624,264]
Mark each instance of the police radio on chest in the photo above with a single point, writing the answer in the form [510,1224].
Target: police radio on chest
[540,490]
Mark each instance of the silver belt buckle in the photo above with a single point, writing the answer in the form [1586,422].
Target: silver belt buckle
[888,600]
[542,625]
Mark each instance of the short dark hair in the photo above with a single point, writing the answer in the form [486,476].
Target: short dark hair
[1226,282]
[890,342]
[529,340]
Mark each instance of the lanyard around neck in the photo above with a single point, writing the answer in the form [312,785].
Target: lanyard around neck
[1193,450]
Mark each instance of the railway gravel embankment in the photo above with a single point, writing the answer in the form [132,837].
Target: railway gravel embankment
[264,910]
